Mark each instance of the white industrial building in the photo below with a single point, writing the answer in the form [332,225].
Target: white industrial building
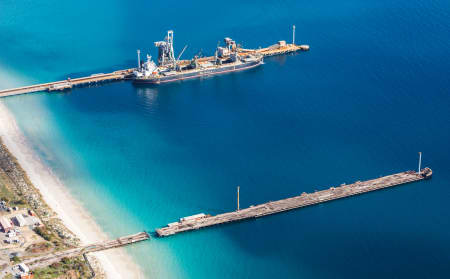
[33,221]
[20,220]
[5,224]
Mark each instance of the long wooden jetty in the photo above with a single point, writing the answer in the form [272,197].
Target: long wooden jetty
[110,244]
[68,83]
[201,220]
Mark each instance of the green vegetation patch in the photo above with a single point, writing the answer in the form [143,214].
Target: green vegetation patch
[39,247]
[44,233]
[6,193]
[66,268]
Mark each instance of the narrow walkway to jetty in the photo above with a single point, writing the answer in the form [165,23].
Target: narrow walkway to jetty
[199,221]
[68,83]
[110,244]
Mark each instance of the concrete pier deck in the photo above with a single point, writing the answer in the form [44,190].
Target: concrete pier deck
[333,193]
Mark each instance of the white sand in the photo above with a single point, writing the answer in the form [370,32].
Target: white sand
[116,263]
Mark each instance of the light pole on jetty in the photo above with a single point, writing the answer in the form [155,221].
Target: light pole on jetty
[139,58]
[293,34]
[420,160]
[238,198]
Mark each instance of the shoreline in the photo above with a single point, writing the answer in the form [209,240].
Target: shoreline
[114,264]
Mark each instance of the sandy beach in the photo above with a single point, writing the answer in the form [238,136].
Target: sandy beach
[116,263]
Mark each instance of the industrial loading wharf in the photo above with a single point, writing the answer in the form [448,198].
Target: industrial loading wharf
[281,47]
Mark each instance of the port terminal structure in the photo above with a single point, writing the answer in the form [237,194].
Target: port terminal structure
[202,220]
[277,49]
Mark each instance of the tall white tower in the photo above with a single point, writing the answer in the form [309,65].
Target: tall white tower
[165,50]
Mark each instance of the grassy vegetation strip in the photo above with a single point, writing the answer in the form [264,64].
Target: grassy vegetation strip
[67,268]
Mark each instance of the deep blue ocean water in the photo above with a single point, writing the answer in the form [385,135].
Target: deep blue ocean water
[372,92]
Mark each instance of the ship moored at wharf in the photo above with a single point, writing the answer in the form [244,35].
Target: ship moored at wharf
[202,220]
[227,59]
[169,69]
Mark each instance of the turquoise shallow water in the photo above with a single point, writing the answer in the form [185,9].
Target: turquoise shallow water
[372,92]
